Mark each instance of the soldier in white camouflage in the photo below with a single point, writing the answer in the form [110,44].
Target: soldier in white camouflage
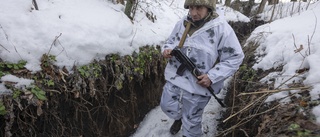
[214,48]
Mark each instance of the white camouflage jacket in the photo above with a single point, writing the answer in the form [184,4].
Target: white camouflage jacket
[215,40]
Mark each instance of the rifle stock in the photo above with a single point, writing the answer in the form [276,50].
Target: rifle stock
[186,63]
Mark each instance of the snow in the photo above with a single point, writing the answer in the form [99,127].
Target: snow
[79,31]
[20,82]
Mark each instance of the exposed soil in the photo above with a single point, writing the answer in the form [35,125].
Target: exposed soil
[110,105]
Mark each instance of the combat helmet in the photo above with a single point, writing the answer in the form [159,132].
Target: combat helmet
[211,4]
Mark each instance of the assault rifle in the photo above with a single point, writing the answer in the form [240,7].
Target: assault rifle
[186,63]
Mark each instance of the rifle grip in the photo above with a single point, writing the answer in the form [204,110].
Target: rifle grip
[181,69]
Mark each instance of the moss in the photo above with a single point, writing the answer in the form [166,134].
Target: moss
[2,109]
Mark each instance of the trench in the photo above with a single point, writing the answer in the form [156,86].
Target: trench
[111,104]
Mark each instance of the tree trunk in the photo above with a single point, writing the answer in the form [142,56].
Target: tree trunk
[128,8]
[261,6]
[236,5]
[120,1]
[248,7]
[34,2]
[227,3]
[274,8]
[272,2]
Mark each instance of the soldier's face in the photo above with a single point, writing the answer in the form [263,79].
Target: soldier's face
[198,12]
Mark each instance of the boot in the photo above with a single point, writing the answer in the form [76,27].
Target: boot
[176,126]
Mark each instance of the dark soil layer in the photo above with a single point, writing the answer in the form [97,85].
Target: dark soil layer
[109,102]
[244,29]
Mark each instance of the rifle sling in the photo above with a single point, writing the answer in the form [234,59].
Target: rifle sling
[184,35]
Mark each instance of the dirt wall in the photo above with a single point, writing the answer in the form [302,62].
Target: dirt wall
[106,98]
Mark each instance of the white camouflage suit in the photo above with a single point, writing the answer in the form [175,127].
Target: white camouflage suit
[182,97]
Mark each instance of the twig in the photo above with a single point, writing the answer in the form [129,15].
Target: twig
[62,75]
[292,9]
[34,2]
[7,37]
[273,91]
[52,90]
[234,93]
[124,101]
[171,3]
[133,38]
[242,121]
[244,132]
[297,49]
[86,102]
[246,107]
[314,30]
[274,7]
[295,75]
[4,48]
[247,119]
[63,49]
[53,43]
[134,9]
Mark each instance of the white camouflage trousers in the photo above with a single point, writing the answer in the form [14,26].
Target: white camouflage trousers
[177,103]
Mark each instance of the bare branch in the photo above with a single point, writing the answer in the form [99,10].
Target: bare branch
[294,43]
[274,91]
[314,30]
[4,48]
[7,37]
[34,2]
[55,43]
